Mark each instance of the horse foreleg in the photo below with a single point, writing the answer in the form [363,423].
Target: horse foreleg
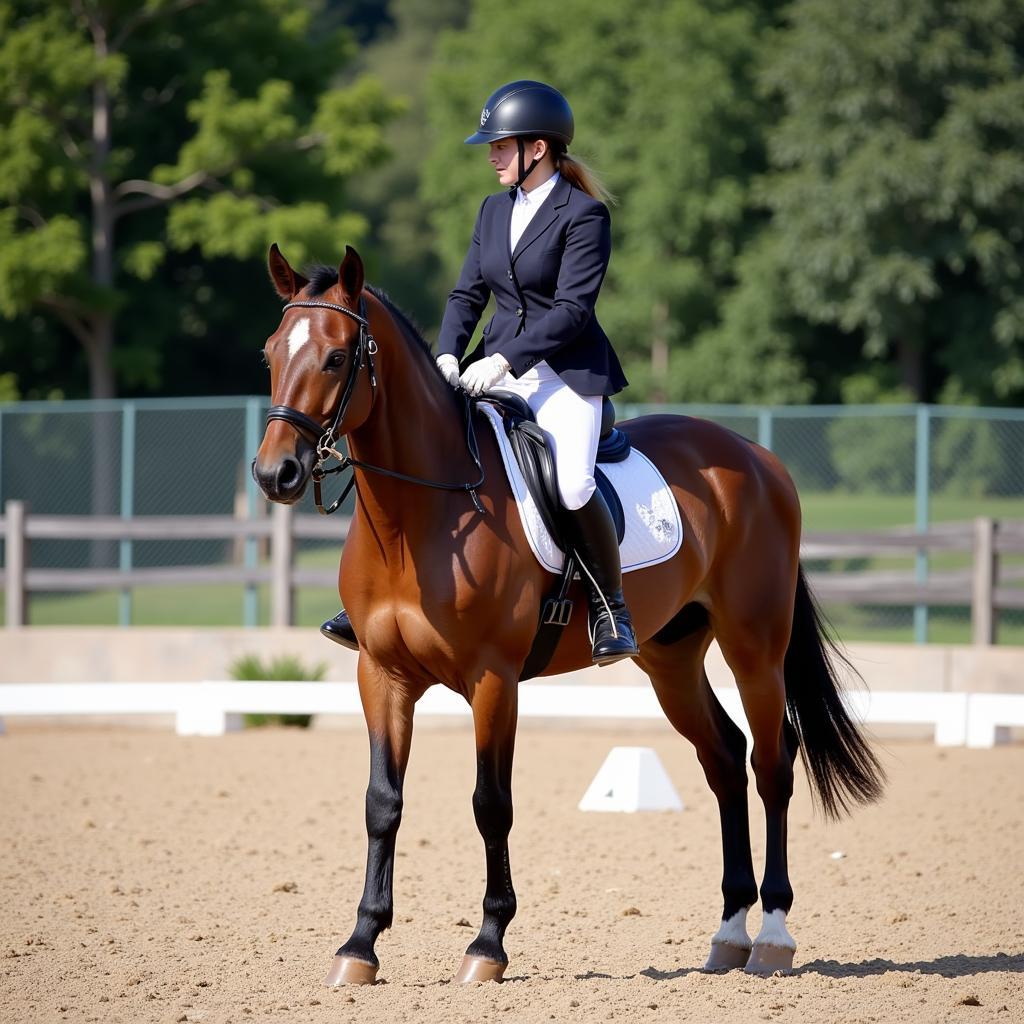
[388,707]
[494,721]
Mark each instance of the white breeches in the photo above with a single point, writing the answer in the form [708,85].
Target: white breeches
[572,421]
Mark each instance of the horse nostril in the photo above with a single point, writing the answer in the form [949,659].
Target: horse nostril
[289,474]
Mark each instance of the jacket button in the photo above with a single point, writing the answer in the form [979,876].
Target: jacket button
[510,275]
[519,311]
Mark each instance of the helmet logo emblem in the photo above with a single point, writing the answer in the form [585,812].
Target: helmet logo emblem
[484,114]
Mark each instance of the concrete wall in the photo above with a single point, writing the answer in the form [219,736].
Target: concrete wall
[166,654]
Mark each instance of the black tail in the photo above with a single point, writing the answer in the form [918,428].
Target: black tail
[841,765]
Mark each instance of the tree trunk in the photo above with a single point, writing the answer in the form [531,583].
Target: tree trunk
[106,433]
[659,351]
[910,360]
[106,438]
[102,383]
[101,372]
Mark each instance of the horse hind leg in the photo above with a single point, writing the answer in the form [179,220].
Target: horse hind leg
[774,947]
[761,683]
[677,674]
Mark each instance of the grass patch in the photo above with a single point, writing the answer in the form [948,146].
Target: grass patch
[285,668]
[833,510]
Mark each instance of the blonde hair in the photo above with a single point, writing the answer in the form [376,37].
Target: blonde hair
[576,171]
[584,178]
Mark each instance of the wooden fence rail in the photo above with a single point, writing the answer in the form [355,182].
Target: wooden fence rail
[983,587]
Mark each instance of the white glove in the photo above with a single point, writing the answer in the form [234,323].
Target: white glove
[449,367]
[482,375]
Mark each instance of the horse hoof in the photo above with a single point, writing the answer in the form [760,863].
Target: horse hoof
[348,971]
[476,968]
[768,960]
[725,956]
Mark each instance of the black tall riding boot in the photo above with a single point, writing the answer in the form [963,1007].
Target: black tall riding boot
[611,630]
[340,630]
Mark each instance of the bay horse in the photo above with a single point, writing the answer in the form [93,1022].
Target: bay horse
[442,587]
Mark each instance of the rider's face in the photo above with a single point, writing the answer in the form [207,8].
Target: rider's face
[504,158]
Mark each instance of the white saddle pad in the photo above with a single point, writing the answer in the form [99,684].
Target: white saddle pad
[654,529]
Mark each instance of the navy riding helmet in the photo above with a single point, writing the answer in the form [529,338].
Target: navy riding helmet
[525,109]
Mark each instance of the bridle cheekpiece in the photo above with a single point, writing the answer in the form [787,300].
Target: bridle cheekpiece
[327,438]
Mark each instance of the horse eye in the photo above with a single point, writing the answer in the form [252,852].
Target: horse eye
[337,358]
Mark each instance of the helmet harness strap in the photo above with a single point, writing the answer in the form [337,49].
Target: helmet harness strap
[523,174]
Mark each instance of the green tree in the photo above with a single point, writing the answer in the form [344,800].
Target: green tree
[667,106]
[896,194]
[398,239]
[132,133]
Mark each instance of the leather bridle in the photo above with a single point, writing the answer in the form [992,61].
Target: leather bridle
[365,350]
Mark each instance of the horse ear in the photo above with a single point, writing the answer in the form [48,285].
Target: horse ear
[287,282]
[350,275]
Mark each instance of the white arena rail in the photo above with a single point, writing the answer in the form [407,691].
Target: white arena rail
[990,717]
[213,708]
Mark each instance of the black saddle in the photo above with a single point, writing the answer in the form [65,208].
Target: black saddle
[530,446]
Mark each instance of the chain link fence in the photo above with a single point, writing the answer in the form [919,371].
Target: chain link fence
[856,467]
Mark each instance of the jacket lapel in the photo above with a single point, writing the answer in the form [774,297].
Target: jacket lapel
[544,217]
[505,222]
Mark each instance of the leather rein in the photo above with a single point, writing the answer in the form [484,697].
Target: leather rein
[365,350]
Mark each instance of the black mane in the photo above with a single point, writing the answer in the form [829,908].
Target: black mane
[322,278]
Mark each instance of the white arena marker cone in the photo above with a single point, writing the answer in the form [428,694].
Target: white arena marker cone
[631,779]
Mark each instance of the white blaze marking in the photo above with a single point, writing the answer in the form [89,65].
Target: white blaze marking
[298,337]
[734,931]
[773,932]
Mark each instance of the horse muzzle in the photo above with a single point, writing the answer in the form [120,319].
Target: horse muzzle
[284,479]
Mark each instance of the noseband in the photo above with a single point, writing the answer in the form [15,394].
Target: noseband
[365,350]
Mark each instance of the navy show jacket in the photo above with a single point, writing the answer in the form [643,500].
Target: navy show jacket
[545,291]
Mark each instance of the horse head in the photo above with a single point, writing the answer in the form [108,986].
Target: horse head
[319,383]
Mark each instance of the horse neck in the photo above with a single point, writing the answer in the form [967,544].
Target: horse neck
[415,427]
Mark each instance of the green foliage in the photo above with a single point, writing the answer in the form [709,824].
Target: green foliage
[750,355]
[228,129]
[807,193]
[967,459]
[886,229]
[42,262]
[8,387]
[677,130]
[873,455]
[399,232]
[286,668]
[897,182]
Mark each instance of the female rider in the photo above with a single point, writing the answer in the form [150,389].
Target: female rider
[542,251]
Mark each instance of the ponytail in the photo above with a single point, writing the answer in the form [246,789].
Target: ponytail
[576,171]
[585,179]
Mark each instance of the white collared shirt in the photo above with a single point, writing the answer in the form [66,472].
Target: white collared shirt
[526,206]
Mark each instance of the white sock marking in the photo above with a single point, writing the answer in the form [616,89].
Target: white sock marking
[298,337]
[734,931]
[773,932]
